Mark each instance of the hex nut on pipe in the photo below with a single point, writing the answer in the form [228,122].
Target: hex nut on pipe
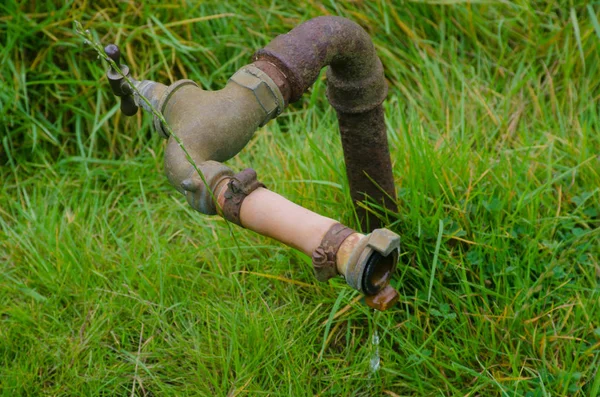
[264,89]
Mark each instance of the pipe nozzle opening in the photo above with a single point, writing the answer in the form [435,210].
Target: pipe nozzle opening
[372,262]
[378,272]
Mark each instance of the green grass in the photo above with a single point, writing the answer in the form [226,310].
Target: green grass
[111,285]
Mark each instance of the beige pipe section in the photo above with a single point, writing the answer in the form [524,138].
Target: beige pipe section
[274,216]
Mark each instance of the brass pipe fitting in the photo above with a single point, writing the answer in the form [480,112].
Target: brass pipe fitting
[214,125]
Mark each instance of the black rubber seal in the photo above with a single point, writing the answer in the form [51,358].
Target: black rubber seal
[377,272]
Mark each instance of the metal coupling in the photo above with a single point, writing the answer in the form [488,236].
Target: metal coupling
[199,190]
[264,89]
[166,95]
[324,258]
[373,261]
[238,188]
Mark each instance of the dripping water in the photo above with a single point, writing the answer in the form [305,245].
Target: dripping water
[375,361]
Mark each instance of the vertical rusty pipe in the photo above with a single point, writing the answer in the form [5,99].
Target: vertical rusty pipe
[366,154]
[356,87]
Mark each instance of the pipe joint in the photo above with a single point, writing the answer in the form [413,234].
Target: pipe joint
[238,188]
[264,89]
[324,258]
[373,261]
[200,194]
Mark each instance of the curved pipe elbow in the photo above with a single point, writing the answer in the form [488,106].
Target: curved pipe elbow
[356,87]
[355,79]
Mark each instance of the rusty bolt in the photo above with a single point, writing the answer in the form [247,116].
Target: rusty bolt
[383,300]
[319,256]
[323,264]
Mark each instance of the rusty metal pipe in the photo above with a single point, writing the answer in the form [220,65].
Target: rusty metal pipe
[356,87]
[214,126]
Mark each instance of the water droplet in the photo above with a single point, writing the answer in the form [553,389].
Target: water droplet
[86,42]
[375,362]
[87,31]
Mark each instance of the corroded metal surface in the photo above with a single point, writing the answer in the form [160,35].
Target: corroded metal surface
[335,41]
[324,257]
[368,163]
[239,187]
[356,87]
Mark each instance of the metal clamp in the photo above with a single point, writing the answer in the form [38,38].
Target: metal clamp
[264,88]
[198,190]
[324,257]
[238,188]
